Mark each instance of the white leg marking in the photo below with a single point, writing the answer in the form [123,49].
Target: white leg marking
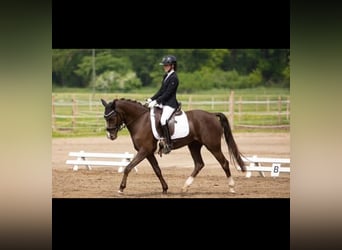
[187,183]
[231,184]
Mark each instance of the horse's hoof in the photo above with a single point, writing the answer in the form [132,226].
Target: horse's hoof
[120,191]
[184,189]
[231,190]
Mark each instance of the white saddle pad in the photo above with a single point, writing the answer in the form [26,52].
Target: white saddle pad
[181,125]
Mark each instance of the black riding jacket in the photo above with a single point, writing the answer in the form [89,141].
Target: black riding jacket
[166,95]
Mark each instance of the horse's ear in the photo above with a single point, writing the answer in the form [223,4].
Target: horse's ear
[104,103]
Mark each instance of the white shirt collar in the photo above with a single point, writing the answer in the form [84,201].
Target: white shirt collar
[168,74]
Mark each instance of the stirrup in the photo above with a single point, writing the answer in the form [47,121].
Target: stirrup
[166,148]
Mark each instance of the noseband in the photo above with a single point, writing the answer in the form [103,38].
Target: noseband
[116,127]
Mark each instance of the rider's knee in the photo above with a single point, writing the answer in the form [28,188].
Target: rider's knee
[163,121]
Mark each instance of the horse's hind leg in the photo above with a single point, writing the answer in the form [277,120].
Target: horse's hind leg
[195,150]
[154,163]
[225,165]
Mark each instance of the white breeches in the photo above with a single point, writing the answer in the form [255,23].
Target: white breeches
[167,111]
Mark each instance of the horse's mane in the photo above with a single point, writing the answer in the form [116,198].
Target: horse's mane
[130,100]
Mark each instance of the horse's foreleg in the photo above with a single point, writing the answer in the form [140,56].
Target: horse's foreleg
[195,150]
[135,161]
[154,163]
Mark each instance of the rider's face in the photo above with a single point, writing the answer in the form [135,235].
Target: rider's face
[167,67]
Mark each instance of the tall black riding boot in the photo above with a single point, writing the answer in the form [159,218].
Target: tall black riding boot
[167,146]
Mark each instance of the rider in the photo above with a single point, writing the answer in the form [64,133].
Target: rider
[166,97]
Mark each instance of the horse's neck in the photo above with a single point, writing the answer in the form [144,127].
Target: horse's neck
[131,110]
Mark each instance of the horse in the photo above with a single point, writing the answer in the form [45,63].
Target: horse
[205,129]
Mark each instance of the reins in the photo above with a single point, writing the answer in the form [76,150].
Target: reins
[135,119]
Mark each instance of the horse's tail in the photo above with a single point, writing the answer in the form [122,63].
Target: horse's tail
[232,146]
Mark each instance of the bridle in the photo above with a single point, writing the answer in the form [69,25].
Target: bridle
[117,127]
[122,123]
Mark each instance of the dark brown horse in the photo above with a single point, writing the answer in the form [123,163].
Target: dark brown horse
[205,128]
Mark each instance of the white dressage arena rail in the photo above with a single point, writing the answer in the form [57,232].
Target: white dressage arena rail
[84,158]
[255,164]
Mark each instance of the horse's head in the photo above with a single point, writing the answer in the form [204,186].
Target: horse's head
[113,120]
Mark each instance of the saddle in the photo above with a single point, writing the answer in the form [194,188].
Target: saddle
[171,121]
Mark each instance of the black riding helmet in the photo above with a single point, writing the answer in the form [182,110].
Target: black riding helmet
[168,60]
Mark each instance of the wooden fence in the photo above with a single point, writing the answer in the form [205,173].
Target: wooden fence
[270,112]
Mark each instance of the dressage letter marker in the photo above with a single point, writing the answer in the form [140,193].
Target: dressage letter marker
[275,169]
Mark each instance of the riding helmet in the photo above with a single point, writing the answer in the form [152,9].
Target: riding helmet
[168,60]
